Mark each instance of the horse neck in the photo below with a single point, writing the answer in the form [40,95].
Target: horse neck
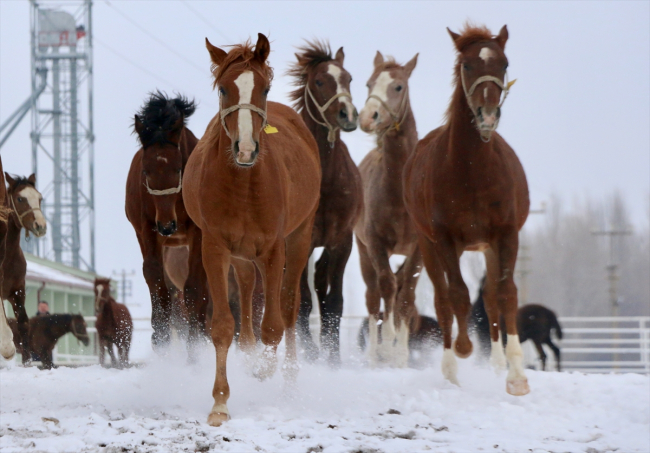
[13,226]
[325,150]
[59,329]
[465,146]
[396,147]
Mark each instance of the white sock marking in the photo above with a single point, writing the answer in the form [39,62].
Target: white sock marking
[450,366]
[7,348]
[497,357]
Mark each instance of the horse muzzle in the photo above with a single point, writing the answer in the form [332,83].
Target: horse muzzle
[347,119]
[39,230]
[245,153]
[167,230]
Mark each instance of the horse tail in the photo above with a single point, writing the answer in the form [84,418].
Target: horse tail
[556,325]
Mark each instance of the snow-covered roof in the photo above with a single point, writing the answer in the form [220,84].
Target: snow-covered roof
[39,270]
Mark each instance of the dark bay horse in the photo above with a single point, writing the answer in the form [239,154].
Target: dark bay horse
[253,187]
[7,348]
[384,227]
[154,206]
[25,203]
[114,325]
[45,331]
[322,97]
[466,190]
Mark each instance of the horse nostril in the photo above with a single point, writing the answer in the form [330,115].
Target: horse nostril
[479,112]
[375,116]
[343,113]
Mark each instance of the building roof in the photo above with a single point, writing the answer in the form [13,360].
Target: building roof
[40,270]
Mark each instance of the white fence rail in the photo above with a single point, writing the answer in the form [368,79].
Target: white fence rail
[589,344]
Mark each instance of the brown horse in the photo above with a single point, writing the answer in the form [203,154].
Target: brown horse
[384,227]
[45,331]
[114,325]
[252,187]
[323,99]
[466,190]
[154,206]
[7,348]
[25,202]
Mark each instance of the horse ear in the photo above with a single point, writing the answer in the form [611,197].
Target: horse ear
[9,179]
[32,179]
[410,66]
[379,59]
[340,56]
[454,36]
[137,125]
[502,37]
[217,55]
[262,48]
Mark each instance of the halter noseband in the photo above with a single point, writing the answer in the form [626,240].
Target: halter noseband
[169,191]
[395,116]
[505,88]
[331,134]
[20,216]
[225,112]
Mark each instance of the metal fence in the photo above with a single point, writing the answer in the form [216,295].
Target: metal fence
[589,344]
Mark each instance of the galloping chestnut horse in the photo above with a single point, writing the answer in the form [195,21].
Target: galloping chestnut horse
[154,206]
[7,348]
[25,203]
[114,325]
[323,99]
[384,227]
[252,187]
[466,190]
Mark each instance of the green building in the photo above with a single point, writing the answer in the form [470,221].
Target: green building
[66,290]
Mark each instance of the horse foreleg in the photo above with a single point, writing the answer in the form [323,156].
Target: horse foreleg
[217,262]
[160,298]
[388,290]
[245,275]
[507,246]
[331,307]
[556,352]
[195,293]
[405,309]
[102,351]
[542,354]
[497,356]
[17,300]
[304,332]
[111,353]
[373,302]
[7,347]
[442,305]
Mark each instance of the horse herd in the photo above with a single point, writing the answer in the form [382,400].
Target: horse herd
[237,213]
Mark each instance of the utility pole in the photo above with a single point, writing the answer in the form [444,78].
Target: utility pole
[612,267]
[125,284]
[523,258]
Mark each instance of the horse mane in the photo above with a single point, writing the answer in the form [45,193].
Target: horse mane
[19,181]
[240,57]
[469,34]
[388,64]
[159,115]
[53,320]
[310,55]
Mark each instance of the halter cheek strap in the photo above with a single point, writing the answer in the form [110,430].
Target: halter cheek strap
[397,117]
[20,216]
[331,134]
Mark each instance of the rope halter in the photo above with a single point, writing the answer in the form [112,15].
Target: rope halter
[331,134]
[505,88]
[397,117]
[20,216]
[169,191]
[225,112]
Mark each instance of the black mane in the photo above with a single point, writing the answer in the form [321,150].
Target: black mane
[55,319]
[159,115]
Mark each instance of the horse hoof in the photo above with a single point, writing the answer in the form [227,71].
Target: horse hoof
[9,351]
[217,418]
[518,387]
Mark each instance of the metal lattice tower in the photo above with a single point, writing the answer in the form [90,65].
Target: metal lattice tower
[62,130]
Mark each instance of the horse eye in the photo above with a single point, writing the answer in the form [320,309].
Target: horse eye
[222,91]
[466,67]
[398,88]
[319,83]
[266,92]
[505,66]
[20,199]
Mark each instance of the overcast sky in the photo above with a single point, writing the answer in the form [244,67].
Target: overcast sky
[578,116]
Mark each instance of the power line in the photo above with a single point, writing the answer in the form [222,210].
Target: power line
[205,21]
[158,40]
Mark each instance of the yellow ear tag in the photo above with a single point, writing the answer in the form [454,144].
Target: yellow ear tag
[270,129]
[511,83]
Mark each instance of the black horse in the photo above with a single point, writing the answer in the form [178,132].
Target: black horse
[534,322]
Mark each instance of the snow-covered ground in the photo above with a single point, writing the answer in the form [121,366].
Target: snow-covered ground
[163,405]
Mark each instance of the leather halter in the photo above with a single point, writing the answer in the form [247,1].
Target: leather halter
[505,88]
[20,216]
[397,117]
[331,134]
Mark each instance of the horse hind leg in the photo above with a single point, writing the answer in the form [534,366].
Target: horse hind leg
[245,276]
[7,347]
[405,306]
[302,325]
[542,354]
[17,300]
[556,352]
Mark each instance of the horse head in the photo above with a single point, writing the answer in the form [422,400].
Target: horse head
[481,67]
[78,328]
[26,201]
[243,79]
[324,88]
[388,95]
[159,126]
[102,293]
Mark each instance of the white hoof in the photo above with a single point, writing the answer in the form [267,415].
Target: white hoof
[8,351]
[218,415]
[450,367]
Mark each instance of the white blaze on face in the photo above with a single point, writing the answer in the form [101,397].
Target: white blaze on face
[245,84]
[335,72]
[380,89]
[34,200]
[485,54]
